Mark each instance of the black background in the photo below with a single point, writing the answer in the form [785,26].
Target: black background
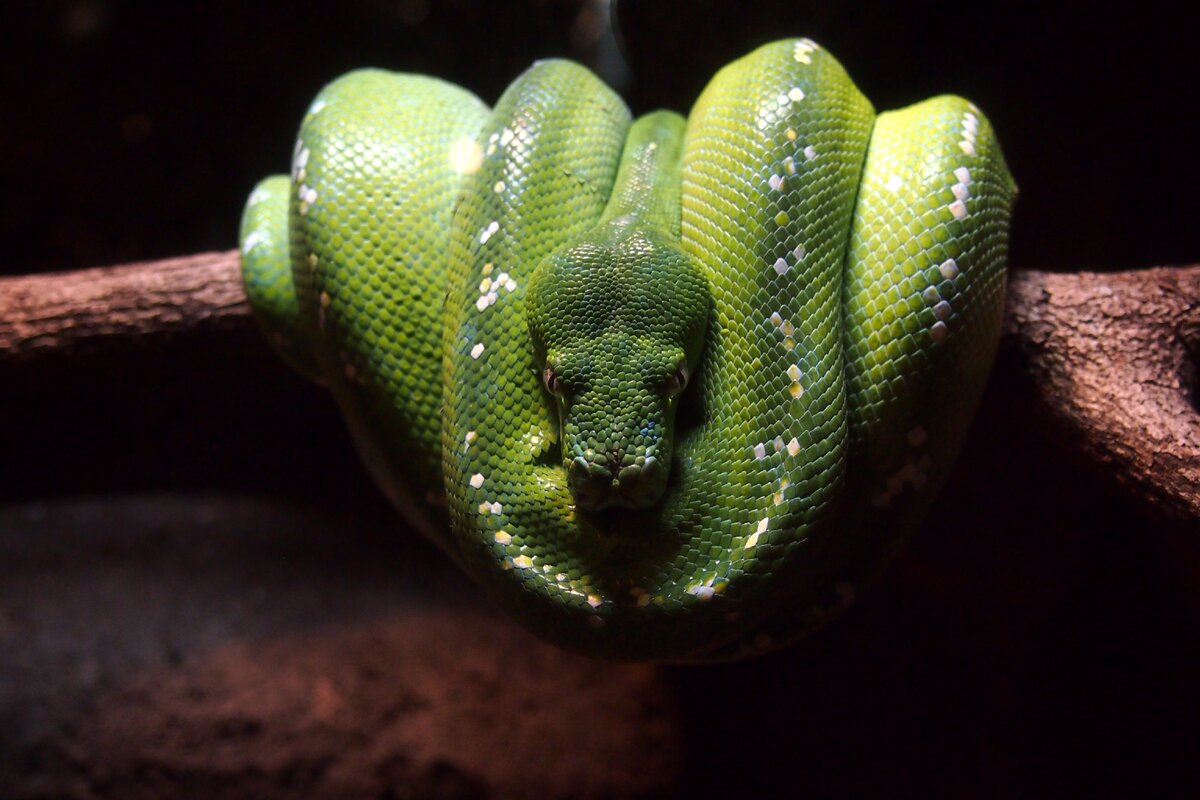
[133,131]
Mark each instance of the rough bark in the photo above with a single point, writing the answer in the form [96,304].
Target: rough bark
[1112,356]
[121,306]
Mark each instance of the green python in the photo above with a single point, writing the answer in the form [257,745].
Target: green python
[667,388]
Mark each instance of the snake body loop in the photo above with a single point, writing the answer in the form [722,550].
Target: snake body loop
[670,389]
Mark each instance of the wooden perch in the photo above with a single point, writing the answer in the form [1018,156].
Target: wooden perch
[120,306]
[1112,356]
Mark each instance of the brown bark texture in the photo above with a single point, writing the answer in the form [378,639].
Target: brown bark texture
[1112,356]
[120,306]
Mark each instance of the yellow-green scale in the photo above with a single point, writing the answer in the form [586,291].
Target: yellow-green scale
[771,165]
[376,151]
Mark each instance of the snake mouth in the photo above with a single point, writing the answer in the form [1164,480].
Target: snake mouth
[596,487]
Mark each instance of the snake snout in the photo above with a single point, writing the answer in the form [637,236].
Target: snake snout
[616,481]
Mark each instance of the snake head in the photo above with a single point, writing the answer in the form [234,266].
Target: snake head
[618,323]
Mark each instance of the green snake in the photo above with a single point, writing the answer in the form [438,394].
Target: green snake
[667,388]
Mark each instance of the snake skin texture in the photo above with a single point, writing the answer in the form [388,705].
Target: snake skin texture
[668,388]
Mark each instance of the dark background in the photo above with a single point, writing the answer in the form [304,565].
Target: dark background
[134,129]
[1035,641]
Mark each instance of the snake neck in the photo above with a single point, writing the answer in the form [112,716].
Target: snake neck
[646,191]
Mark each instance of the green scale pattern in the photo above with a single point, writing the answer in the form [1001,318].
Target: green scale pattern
[509,304]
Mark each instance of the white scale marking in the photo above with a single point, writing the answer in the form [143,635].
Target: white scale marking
[970,124]
[763,449]
[299,162]
[941,309]
[253,240]
[802,49]
[308,196]
[465,156]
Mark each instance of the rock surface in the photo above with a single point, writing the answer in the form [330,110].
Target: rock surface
[201,646]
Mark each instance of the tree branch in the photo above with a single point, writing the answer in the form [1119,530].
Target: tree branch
[1112,356]
[120,306]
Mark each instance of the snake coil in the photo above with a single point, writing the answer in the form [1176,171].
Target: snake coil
[668,388]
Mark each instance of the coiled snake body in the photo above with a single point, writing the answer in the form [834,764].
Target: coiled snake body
[667,388]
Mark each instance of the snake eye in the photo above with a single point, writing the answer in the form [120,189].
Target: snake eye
[552,382]
[677,381]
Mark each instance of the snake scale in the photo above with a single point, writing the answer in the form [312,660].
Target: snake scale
[668,388]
